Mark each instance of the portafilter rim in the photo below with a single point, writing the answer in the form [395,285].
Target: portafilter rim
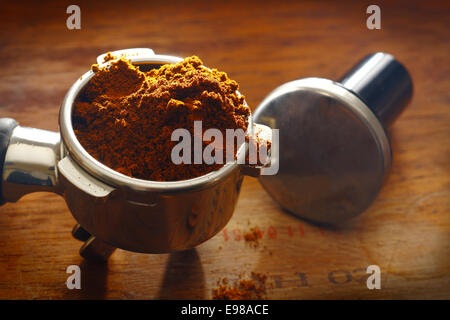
[114,178]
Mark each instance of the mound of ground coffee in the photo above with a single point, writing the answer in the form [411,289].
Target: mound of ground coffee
[124,117]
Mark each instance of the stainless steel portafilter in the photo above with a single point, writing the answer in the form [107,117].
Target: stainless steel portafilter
[114,210]
[334,149]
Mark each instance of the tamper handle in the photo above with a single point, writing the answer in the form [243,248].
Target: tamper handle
[382,83]
[7,126]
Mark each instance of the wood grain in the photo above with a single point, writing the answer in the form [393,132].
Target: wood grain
[261,44]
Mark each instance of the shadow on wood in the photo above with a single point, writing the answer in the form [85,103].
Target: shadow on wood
[184,277]
[93,281]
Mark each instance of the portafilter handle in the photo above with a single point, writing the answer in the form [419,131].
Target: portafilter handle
[28,160]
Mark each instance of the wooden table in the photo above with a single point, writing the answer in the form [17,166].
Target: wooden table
[260,44]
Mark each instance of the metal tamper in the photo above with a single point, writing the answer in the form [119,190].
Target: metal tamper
[334,150]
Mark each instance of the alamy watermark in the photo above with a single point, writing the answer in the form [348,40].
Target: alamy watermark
[222,149]
[73,22]
[74,280]
[374,280]
[374,20]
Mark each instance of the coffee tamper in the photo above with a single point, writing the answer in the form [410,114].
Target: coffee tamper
[334,150]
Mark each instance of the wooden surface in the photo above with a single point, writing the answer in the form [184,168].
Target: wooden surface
[261,45]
